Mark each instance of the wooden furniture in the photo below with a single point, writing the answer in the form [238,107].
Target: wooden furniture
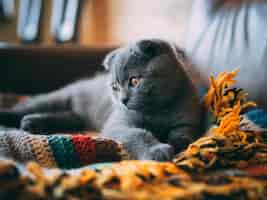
[30,70]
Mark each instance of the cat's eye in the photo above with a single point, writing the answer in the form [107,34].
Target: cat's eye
[134,81]
[115,87]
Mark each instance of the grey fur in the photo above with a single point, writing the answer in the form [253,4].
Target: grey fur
[160,116]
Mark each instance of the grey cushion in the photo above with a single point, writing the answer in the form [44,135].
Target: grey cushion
[228,34]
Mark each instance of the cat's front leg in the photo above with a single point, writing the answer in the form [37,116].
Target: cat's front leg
[160,152]
[140,143]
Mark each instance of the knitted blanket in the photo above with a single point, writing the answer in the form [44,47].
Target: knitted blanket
[228,162]
[63,151]
[131,180]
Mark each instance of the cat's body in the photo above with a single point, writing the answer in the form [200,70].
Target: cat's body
[152,109]
[87,99]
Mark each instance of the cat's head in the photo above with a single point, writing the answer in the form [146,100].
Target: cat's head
[147,74]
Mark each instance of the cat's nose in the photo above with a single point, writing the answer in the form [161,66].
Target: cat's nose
[124,100]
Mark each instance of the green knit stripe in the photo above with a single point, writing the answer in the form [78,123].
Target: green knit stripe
[63,151]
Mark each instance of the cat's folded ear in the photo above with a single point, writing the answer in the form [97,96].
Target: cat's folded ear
[109,60]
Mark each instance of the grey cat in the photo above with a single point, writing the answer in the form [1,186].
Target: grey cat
[144,100]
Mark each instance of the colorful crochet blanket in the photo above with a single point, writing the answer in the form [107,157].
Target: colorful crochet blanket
[58,150]
[228,162]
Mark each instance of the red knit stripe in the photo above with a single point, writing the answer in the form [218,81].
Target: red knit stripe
[85,148]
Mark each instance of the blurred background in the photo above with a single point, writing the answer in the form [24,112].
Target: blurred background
[92,22]
[45,44]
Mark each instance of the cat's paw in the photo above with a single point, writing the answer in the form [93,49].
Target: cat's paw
[33,123]
[161,152]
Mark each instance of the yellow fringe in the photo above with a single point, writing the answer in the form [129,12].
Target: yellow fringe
[226,107]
